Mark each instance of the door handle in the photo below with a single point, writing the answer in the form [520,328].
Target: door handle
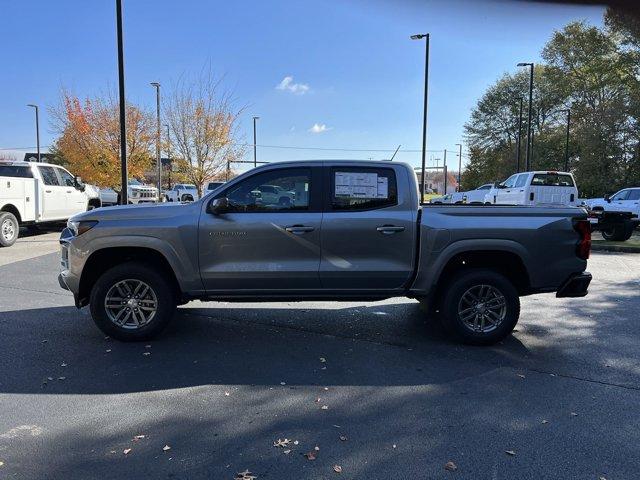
[389,229]
[69,191]
[47,191]
[299,229]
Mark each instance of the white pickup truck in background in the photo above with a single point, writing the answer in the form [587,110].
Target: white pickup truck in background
[182,192]
[626,200]
[535,188]
[36,193]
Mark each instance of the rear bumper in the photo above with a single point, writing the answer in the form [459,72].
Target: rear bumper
[575,286]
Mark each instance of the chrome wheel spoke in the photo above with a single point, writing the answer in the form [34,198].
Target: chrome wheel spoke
[482,308]
[131,304]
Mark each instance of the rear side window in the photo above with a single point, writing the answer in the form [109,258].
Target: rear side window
[15,171]
[49,176]
[363,188]
[552,180]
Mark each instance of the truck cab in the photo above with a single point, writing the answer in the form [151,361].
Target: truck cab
[37,193]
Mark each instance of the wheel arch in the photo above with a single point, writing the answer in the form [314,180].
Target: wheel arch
[10,208]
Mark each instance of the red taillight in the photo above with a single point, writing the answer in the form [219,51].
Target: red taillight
[583,227]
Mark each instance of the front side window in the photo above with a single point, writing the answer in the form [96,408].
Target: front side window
[49,176]
[634,194]
[67,178]
[363,188]
[622,195]
[510,182]
[485,187]
[274,191]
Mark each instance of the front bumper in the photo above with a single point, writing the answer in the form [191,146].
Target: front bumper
[575,286]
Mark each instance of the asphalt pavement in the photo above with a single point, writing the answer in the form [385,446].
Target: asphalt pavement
[376,387]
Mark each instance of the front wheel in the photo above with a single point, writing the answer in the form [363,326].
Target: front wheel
[132,302]
[618,233]
[9,228]
[480,307]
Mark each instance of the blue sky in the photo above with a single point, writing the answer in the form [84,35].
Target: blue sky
[353,68]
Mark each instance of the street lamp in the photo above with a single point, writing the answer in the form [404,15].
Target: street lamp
[255,150]
[123,125]
[459,165]
[528,156]
[158,159]
[566,145]
[168,155]
[37,129]
[519,142]
[424,115]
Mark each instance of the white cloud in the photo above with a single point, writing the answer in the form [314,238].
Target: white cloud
[295,88]
[319,128]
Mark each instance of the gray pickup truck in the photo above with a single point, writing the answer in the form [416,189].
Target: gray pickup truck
[346,230]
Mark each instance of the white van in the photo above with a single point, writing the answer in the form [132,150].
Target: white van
[536,188]
[36,193]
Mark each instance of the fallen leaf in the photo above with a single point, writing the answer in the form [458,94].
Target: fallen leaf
[63,365]
[147,346]
[521,376]
[126,451]
[337,468]
[510,452]
[394,445]
[1,463]
[226,394]
[246,475]
[138,437]
[281,443]
[166,448]
[452,467]
[323,360]
[287,451]
[602,478]
[146,353]
[545,421]
[343,438]
[282,383]
[316,448]
[310,455]
[295,442]
[574,414]
[318,400]
[324,407]
[108,350]
[326,389]
[50,378]
[64,378]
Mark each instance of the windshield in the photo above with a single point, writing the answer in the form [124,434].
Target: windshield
[133,181]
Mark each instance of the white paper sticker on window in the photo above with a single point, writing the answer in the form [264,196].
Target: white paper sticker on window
[361,185]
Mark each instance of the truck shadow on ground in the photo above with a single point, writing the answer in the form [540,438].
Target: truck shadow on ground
[364,345]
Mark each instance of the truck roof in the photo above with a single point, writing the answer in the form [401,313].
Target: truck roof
[22,163]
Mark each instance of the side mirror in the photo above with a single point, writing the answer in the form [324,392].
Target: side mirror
[218,206]
[607,198]
[78,183]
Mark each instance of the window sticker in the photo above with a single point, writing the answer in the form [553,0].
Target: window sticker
[361,185]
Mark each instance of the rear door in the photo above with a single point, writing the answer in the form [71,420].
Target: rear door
[54,202]
[368,229]
[264,246]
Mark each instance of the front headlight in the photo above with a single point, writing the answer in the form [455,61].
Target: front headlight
[80,227]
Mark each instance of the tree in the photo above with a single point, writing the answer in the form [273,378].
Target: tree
[203,126]
[89,141]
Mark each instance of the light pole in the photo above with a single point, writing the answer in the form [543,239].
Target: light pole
[424,114]
[169,156]
[444,165]
[123,126]
[519,142]
[566,145]
[255,149]
[528,156]
[158,159]
[459,164]
[37,129]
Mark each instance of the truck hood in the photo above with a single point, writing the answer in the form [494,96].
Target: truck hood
[136,212]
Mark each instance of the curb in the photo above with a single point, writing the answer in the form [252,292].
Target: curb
[599,247]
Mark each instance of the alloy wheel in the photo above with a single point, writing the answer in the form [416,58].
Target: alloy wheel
[131,304]
[482,308]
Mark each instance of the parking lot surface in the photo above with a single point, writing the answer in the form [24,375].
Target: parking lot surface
[375,387]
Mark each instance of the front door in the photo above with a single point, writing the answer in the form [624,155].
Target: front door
[505,194]
[368,230]
[76,201]
[262,243]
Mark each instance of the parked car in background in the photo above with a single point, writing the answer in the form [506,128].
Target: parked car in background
[37,193]
[625,200]
[138,192]
[182,192]
[354,230]
[211,186]
[108,196]
[478,195]
[535,188]
[274,194]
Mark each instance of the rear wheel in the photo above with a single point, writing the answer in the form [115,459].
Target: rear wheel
[480,307]
[9,228]
[132,302]
[618,233]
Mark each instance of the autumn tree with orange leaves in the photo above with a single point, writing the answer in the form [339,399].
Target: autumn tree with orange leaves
[89,139]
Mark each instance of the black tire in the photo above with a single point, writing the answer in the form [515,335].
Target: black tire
[453,302]
[9,229]
[617,233]
[155,280]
